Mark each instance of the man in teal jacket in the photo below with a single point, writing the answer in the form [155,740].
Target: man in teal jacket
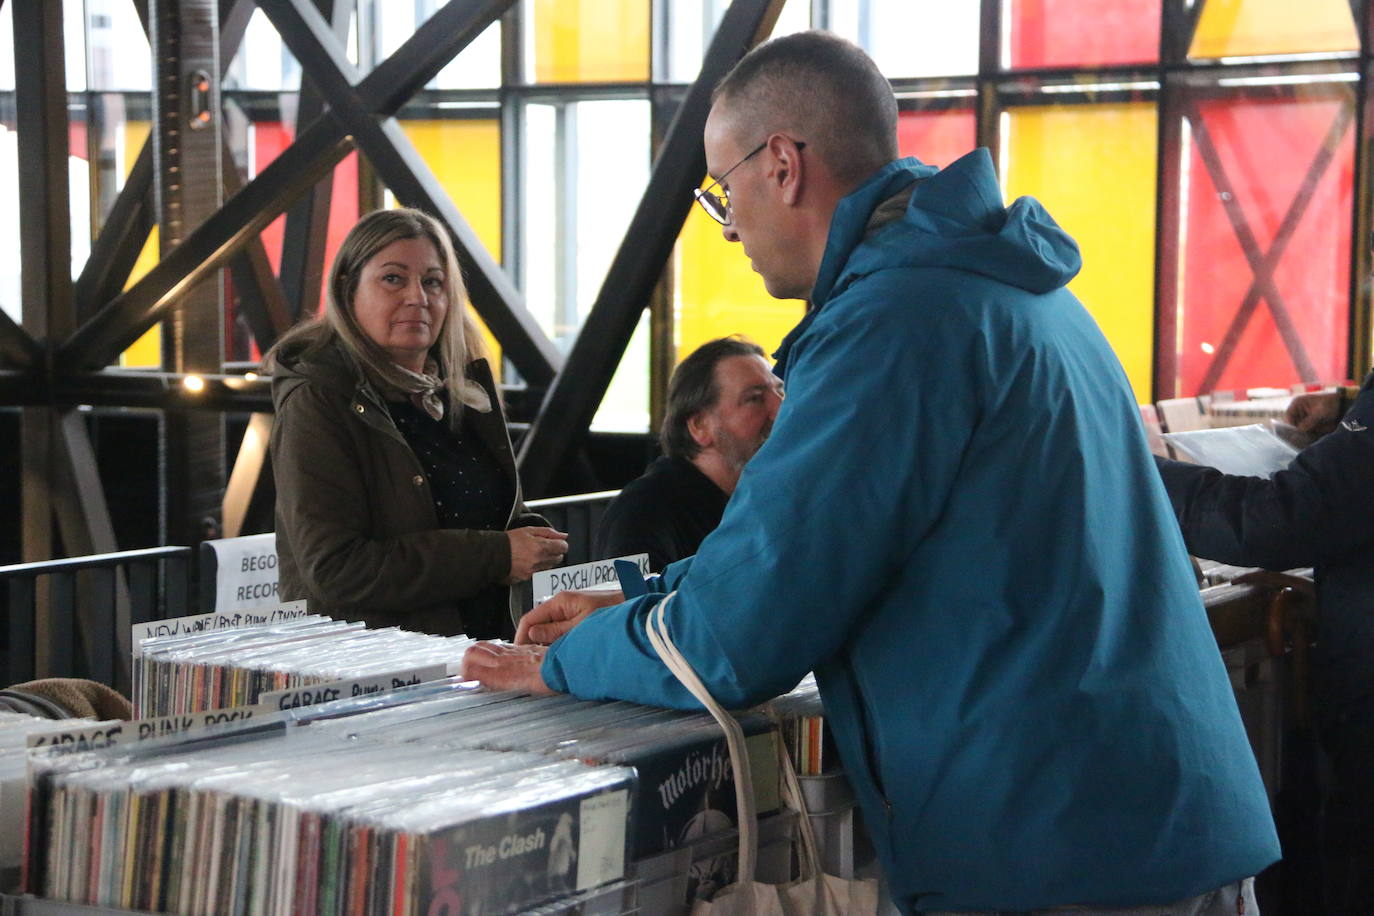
[955,523]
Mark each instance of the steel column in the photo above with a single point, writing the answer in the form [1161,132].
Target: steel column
[580,386]
[131,218]
[45,266]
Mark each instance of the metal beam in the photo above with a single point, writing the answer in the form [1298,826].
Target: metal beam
[264,302]
[1361,342]
[315,151]
[121,239]
[206,248]
[404,170]
[17,348]
[581,384]
[40,98]
[307,222]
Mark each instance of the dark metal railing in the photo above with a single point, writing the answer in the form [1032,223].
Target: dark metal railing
[578,516]
[72,617]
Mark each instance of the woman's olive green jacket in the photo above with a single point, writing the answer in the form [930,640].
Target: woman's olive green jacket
[357,534]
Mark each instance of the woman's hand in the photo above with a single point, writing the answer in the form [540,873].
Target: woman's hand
[533,549]
[565,610]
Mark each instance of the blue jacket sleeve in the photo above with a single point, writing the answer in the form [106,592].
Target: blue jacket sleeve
[852,477]
[1315,510]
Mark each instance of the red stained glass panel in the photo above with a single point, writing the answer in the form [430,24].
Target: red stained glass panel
[1082,33]
[936,137]
[1250,170]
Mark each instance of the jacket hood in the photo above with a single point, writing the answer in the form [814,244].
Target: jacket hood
[955,219]
[304,359]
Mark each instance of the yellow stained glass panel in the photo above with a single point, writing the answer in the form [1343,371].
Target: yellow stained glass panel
[1093,167]
[465,155]
[1241,28]
[591,41]
[718,293]
[146,352]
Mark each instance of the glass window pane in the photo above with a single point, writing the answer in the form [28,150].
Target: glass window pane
[478,66]
[1085,33]
[465,155]
[1093,167]
[263,61]
[717,292]
[586,165]
[590,41]
[936,136]
[6,48]
[912,37]
[119,55]
[1266,193]
[692,24]
[1248,27]
[74,43]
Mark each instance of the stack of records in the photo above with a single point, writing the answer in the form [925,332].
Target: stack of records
[227,668]
[16,730]
[439,797]
[803,728]
[310,820]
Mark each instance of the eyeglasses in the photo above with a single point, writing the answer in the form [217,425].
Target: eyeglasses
[717,206]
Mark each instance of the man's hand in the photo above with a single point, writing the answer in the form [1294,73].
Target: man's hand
[1315,413]
[505,667]
[561,613]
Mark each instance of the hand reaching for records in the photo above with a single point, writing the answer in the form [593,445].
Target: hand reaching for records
[1315,414]
[565,610]
[501,666]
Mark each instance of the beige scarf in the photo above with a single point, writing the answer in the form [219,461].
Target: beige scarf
[424,388]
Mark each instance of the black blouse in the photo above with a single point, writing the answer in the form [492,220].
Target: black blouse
[470,488]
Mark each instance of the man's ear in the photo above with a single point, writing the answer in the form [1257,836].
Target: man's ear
[788,169]
[700,428]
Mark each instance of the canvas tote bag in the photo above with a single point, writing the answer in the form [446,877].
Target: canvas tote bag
[813,894]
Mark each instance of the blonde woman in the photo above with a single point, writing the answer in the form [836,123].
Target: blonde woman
[397,497]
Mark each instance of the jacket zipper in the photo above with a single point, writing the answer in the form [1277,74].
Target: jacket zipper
[866,733]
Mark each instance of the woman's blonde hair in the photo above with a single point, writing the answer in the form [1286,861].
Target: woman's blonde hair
[459,340]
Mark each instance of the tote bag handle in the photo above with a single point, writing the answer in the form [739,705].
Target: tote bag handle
[657,628]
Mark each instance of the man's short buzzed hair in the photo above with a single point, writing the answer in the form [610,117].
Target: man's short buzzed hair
[827,90]
[693,388]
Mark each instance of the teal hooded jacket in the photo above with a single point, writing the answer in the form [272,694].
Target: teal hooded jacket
[956,523]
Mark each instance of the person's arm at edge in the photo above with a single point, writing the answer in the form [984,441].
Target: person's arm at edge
[1315,509]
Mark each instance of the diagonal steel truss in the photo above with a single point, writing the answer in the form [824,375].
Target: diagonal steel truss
[318,147]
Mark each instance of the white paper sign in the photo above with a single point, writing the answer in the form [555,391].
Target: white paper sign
[204,623]
[601,839]
[550,582]
[246,571]
[108,734]
[296,697]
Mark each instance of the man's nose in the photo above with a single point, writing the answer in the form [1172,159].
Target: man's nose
[774,404]
[728,230]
